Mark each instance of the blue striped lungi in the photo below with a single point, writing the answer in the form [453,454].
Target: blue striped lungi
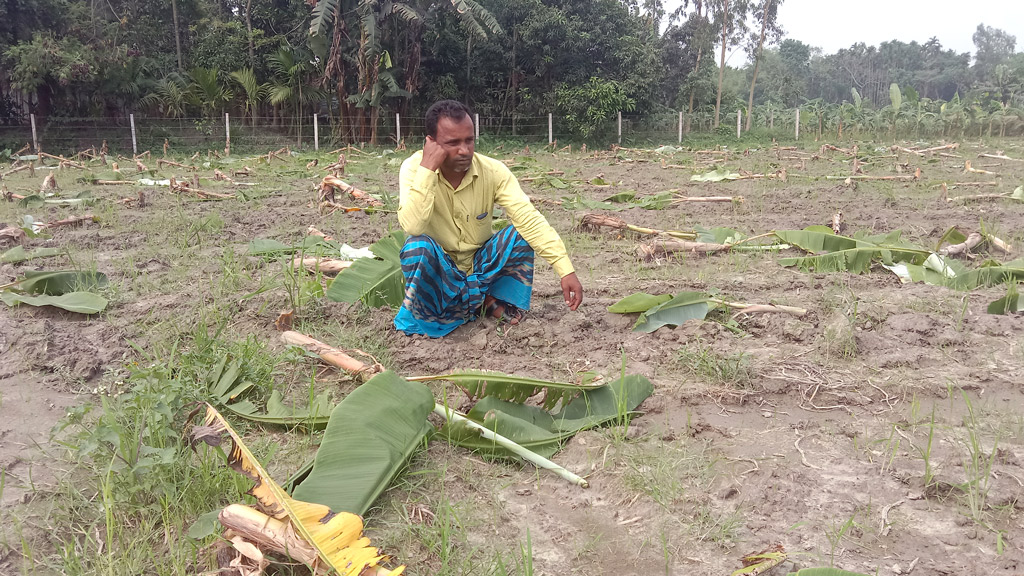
[439,297]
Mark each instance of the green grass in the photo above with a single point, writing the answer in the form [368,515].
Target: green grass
[702,361]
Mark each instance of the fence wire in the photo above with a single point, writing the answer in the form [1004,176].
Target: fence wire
[250,134]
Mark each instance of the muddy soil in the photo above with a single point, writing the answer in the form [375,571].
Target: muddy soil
[808,432]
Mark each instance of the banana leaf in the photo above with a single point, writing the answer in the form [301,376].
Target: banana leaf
[580,203]
[716,175]
[60,282]
[639,302]
[374,282]
[846,254]
[371,434]
[989,273]
[272,249]
[658,201]
[336,535]
[541,431]
[19,254]
[718,235]
[619,197]
[1012,303]
[478,383]
[682,307]
[81,302]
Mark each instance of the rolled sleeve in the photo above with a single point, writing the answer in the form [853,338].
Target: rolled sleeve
[416,187]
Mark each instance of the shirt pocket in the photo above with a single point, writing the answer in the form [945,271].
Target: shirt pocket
[481,226]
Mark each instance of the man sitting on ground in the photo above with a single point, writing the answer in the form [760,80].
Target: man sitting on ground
[452,263]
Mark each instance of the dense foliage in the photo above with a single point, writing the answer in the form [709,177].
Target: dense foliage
[360,61]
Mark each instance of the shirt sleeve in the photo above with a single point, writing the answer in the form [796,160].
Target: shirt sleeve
[416,187]
[531,224]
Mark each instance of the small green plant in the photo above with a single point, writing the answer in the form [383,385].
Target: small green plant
[837,532]
[718,368]
[977,465]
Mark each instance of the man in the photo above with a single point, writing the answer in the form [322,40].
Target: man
[452,263]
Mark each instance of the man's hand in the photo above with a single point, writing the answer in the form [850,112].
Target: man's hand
[433,154]
[572,290]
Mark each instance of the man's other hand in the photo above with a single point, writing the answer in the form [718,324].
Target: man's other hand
[433,154]
[572,290]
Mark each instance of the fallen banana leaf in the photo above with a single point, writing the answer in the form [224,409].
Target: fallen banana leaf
[81,302]
[19,254]
[716,175]
[675,312]
[541,431]
[336,536]
[369,438]
[518,389]
[453,416]
[846,254]
[668,310]
[639,302]
[1012,303]
[59,282]
[374,282]
[312,245]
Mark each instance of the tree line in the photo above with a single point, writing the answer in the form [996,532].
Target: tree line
[356,61]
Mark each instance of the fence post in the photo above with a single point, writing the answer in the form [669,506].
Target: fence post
[476,125]
[771,120]
[135,147]
[680,126]
[316,132]
[797,122]
[739,121]
[398,128]
[35,141]
[227,134]
[620,126]
[551,133]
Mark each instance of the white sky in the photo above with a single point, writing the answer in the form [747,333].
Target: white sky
[832,24]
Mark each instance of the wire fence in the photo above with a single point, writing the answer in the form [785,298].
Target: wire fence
[136,134]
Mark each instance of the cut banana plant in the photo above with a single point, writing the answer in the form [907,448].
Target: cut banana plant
[337,538]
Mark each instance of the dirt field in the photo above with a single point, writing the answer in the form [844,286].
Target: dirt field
[880,433]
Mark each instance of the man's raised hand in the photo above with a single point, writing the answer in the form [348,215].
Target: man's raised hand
[572,290]
[433,154]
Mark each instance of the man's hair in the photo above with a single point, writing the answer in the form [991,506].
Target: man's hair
[445,109]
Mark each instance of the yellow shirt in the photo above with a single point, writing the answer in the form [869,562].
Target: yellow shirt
[460,219]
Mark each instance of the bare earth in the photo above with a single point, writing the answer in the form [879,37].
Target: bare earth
[811,438]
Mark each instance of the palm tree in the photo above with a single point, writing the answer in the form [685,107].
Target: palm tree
[292,68]
[207,91]
[252,90]
[169,95]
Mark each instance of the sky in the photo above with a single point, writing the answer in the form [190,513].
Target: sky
[831,24]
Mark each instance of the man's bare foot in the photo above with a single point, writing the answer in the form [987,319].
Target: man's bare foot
[497,309]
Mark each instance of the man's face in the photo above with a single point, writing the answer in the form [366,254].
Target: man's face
[456,138]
